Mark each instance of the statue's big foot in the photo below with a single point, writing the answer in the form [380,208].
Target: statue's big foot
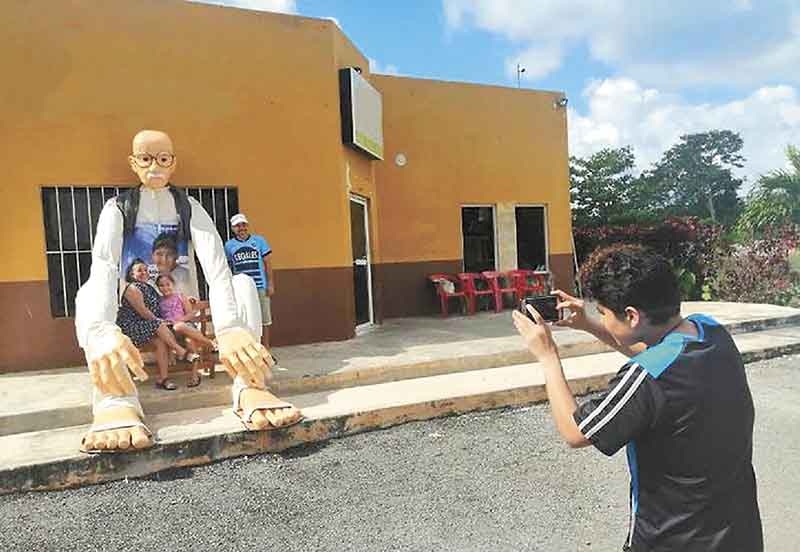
[259,409]
[115,430]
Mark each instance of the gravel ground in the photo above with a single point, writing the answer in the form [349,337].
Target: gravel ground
[499,480]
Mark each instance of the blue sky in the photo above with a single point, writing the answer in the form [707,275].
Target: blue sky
[637,72]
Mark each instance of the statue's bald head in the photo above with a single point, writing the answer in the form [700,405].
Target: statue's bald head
[153,158]
[152,141]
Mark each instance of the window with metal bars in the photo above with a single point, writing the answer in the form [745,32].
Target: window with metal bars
[70,222]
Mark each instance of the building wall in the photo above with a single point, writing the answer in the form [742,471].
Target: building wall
[358,172]
[250,100]
[464,144]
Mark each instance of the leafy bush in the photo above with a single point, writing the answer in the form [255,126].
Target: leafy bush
[690,245]
[760,271]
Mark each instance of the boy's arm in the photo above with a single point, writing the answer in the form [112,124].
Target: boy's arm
[626,409]
[539,340]
[562,402]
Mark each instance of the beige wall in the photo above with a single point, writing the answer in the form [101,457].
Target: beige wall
[467,144]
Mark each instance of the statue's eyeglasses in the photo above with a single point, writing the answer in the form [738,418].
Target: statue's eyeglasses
[163,159]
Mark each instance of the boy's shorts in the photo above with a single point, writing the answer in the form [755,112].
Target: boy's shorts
[266,308]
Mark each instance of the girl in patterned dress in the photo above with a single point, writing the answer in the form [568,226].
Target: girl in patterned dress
[139,318]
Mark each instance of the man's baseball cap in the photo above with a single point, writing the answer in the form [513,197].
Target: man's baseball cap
[238,218]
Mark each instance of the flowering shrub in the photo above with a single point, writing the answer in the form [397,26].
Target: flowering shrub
[759,271]
[691,246]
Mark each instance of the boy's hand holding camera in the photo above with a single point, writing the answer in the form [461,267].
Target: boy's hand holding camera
[539,338]
[536,332]
[577,319]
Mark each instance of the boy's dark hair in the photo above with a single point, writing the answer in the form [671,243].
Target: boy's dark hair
[167,276]
[166,240]
[622,275]
[129,272]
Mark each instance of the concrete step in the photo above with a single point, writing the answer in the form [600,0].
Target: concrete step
[49,459]
[62,398]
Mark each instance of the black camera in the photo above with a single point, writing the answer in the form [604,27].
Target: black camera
[544,304]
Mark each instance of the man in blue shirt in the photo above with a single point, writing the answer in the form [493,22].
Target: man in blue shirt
[249,254]
[680,405]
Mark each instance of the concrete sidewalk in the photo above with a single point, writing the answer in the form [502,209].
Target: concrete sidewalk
[407,370]
[399,349]
[46,460]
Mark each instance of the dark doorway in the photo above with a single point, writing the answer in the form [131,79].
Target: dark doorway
[531,238]
[361,264]
[477,229]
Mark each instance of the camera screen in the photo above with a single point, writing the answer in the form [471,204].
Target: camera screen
[545,304]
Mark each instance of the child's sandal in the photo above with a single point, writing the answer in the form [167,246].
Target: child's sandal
[166,384]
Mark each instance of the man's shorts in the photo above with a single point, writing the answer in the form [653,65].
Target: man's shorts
[266,308]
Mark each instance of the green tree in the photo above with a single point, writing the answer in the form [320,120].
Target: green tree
[599,186]
[775,200]
[695,176]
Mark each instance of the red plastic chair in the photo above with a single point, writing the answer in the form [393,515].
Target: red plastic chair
[495,284]
[529,282]
[468,279]
[445,296]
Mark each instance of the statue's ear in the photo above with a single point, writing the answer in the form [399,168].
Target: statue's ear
[132,163]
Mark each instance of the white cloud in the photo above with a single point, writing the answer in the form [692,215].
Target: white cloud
[376,67]
[336,21]
[622,112]
[282,6]
[666,44]
[537,62]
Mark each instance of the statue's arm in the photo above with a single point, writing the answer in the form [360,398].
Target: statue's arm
[211,254]
[96,301]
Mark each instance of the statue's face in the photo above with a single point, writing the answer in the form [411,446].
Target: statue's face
[153,159]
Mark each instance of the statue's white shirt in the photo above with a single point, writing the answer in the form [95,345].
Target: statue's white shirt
[97,301]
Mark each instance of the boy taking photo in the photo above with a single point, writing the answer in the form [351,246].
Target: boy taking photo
[680,405]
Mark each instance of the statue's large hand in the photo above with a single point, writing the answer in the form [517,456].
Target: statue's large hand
[243,356]
[110,356]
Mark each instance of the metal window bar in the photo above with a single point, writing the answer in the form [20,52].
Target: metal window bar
[82,222]
[89,214]
[75,233]
[61,254]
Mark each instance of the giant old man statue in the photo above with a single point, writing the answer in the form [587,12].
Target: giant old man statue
[125,224]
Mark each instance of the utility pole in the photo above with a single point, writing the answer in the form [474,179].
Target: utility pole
[520,70]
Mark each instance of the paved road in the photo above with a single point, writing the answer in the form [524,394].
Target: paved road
[490,481]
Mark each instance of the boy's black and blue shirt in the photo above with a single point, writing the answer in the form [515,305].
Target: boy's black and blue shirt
[684,411]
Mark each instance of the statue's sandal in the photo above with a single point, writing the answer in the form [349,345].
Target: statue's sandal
[109,426]
[267,404]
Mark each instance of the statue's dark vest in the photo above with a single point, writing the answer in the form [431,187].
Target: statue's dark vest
[128,204]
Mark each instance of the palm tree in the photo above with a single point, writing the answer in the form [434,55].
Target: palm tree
[775,201]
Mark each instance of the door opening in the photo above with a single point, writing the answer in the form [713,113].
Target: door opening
[478,232]
[362,269]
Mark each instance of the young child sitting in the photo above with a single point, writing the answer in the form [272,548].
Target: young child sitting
[178,311]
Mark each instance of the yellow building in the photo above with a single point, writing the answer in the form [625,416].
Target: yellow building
[472,176]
